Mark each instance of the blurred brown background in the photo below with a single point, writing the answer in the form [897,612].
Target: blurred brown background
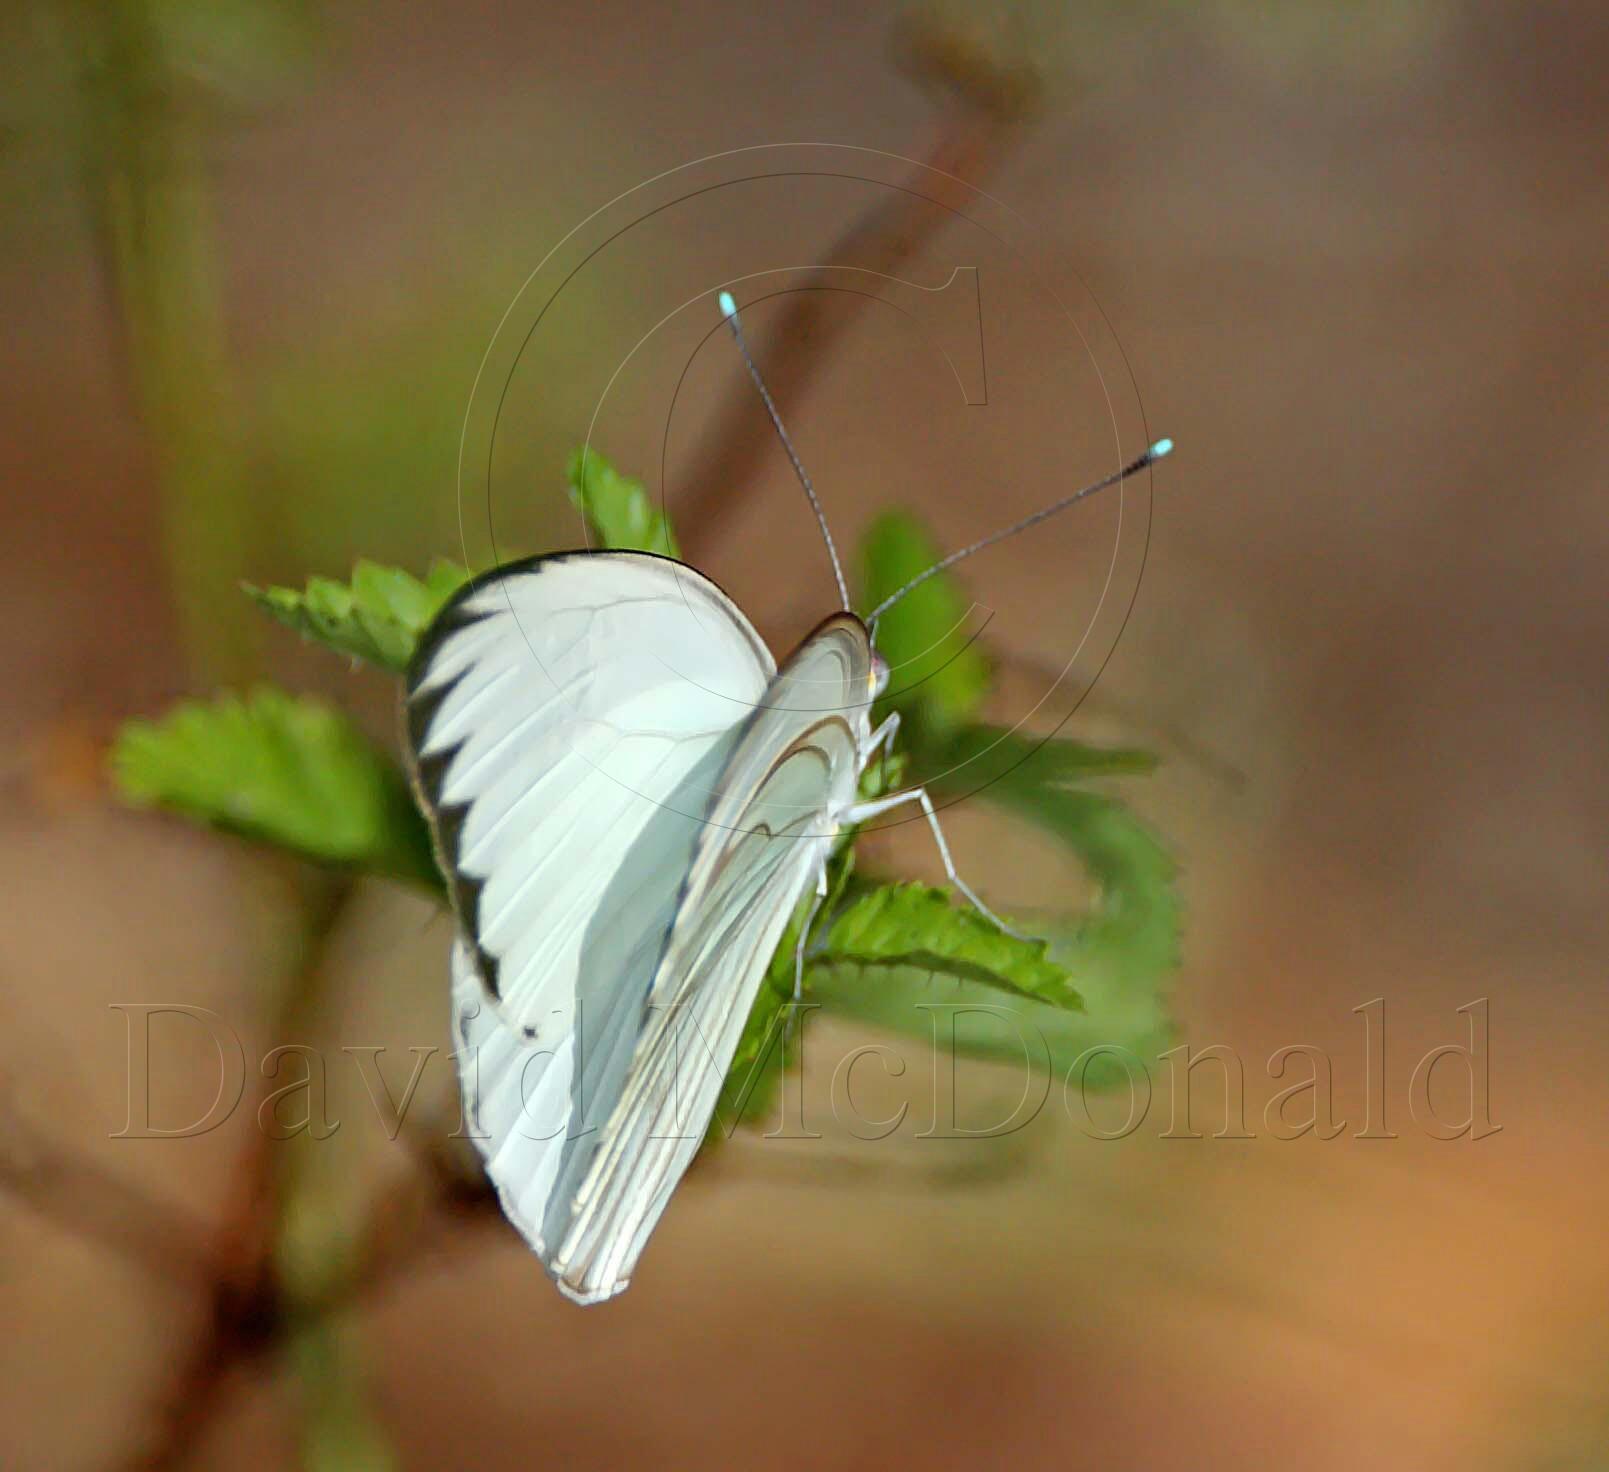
[1355,257]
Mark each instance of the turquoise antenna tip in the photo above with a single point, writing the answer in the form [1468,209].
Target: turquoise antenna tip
[727,305]
[1161,448]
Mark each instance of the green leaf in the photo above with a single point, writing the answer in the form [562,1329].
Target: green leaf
[618,507]
[377,617]
[1119,956]
[887,950]
[1125,1006]
[762,1054]
[289,772]
[979,755]
[939,676]
[912,925]
[898,991]
[1131,935]
[1123,950]
[900,1000]
[897,952]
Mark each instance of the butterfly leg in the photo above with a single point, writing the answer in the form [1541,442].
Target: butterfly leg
[862,811]
[882,742]
[883,736]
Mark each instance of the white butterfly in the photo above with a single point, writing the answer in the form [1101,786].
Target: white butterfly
[631,800]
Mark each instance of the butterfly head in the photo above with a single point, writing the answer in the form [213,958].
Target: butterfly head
[877,679]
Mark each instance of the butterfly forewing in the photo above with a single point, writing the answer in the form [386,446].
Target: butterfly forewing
[764,843]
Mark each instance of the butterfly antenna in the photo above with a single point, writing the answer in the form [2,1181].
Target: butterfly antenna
[1155,453]
[729,311]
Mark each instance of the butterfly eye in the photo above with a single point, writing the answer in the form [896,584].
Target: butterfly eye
[877,681]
